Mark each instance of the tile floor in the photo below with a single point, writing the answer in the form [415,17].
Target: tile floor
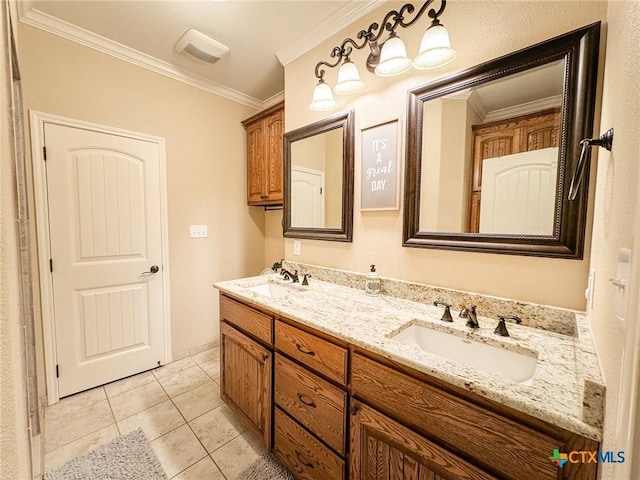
[178,406]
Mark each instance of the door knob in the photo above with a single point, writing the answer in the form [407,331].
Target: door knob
[152,270]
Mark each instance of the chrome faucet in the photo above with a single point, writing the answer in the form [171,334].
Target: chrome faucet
[501,329]
[290,276]
[471,316]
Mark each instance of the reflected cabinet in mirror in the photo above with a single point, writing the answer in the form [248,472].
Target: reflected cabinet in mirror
[318,169]
[491,152]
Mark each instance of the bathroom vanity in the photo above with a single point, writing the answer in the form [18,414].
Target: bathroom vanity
[318,374]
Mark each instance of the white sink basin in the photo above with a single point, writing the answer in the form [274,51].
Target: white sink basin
[273,290]
[496,360]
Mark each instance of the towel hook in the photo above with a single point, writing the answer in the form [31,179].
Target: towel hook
[606,141]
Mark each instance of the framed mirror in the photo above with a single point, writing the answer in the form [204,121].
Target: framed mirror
[318,180]
[491,152]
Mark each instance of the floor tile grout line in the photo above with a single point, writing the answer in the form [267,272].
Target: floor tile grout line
[189,426]
[218,467]
[87,433]
[113,415]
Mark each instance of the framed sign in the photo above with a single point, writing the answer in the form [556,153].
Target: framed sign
[380,175]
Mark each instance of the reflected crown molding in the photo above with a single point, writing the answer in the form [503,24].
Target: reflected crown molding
[524,109]
[48,23]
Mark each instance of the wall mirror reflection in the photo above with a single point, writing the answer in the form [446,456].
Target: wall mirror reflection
[490,152]
[318,167]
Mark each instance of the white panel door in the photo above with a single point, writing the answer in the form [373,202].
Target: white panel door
[106,234]
[519,193]
[307,198]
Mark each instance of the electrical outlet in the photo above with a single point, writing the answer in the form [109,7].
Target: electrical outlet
[296,247]
[198,231]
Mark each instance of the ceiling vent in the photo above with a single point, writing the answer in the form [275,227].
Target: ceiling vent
[201,47]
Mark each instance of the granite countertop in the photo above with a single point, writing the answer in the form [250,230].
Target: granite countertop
[566,389]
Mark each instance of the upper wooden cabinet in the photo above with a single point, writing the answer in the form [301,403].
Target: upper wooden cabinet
[264,156]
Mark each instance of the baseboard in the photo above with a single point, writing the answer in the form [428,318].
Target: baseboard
[187,352]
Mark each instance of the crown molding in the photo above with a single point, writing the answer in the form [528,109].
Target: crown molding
[524,109]
[271,101]
[334,23]
[51,24]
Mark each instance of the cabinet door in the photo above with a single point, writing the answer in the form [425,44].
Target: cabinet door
[256,169]
[382,449]
[246,379]
[274,127]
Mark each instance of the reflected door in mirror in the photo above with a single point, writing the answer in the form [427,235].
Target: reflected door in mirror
[316,180]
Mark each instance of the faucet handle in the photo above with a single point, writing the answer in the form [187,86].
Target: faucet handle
[446,315]
[305,279]
[464,313]
[501,329]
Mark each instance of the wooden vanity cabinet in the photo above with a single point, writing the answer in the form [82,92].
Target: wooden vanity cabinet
[311,403]
[340,412]
[456,437]
[264,156]
[247,364]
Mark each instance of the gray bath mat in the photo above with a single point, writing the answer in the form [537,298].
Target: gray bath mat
[129,457]
[266,467]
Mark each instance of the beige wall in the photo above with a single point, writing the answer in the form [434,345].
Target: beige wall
[14,441]
[470,25]
[205,164]
[615,197]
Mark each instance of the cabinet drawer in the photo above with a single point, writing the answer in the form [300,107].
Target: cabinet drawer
[251,321]
[302,454]
[320,355]
[493,440]
[314,402]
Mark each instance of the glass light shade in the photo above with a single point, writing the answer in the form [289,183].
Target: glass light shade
[435,49]
[393,58]
[322,98]
[348,79]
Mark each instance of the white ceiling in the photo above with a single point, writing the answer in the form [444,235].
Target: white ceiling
[253,30]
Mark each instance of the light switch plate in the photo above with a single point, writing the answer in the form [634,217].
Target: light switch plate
[198,231]
[296,247]
[621,283]
[588,293]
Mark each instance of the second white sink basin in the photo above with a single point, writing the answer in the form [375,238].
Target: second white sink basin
[488,358]
[273,290]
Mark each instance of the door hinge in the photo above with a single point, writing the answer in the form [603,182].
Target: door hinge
[44,153]
[57,371]
[51,265]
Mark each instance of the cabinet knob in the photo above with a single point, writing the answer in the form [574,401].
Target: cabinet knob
[353,410]
[264,357]
[264,197]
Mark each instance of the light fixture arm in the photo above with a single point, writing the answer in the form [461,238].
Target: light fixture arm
[371,36]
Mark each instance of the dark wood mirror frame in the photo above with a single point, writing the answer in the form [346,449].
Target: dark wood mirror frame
[346,121]
[579,49]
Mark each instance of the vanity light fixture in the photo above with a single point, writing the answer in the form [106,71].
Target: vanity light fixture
[386,59]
